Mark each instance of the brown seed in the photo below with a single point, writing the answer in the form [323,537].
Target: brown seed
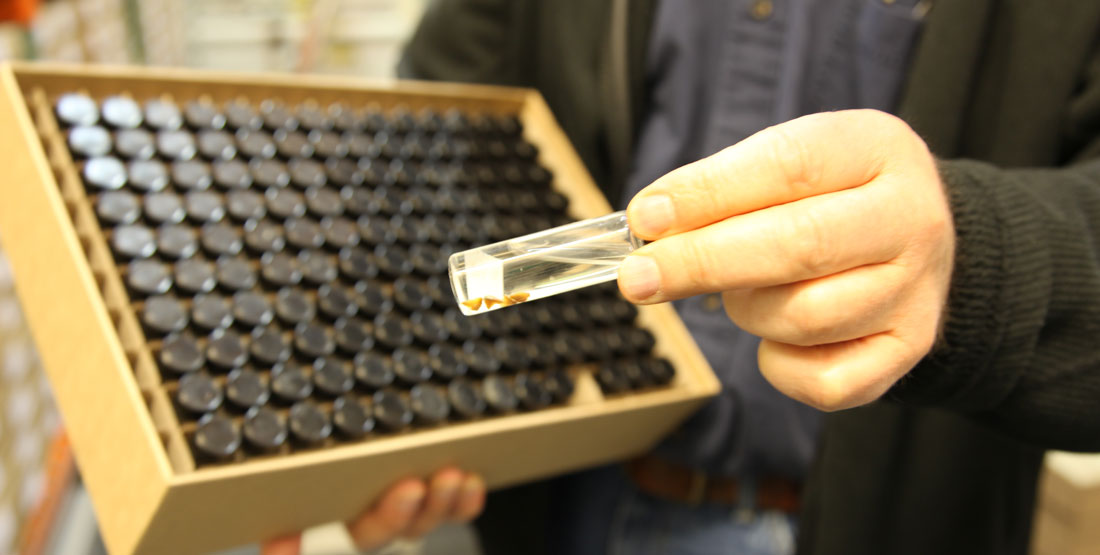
[490,301]
[518,297]
[473,304]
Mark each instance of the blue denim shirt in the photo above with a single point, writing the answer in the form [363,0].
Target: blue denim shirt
[717,72]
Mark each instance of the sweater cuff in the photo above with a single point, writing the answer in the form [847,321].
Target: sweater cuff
[958,371]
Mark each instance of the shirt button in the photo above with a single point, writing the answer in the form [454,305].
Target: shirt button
[761,9]
[712,302]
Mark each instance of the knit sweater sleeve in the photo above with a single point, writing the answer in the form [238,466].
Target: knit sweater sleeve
[1021,341]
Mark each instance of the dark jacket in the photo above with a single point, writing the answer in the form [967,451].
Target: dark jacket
[1007,95]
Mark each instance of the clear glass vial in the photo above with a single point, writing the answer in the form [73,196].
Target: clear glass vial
[541,264]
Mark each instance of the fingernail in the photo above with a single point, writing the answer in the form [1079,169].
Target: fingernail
[473,485]
[409,502]
[651,215]
[639,277]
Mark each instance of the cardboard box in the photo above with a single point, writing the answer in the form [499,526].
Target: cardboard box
[131,448]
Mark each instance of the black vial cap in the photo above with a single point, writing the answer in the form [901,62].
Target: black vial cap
[241,115]
[308,423]
[226,349]
[393,330]
[176,145]
[264,429]
[465,398]
[269,346]
[285,203]
[393,260]
[280,269]
[277,116]
[352,417]
[161,114]
[292,306]
[269,172]
[117,208]
[231,174]
[305,173]
[292,144]
[429,404]
[447,361]
[324,201]
[246,389]
[252,309]
[331,377]
[317,266]
[357,264]
[304,233]
[221,238]
[373,370]
[264,236]
[339,232]
[135,144]
[391,411]
[245,205]
[104,172]
[195,276]
[235,273]
[374,299]
[498,394]
[658,369]
[216,145]
[198,393]
[77,109]
[164,208]
[217,437]
[334,301]
[411,294]
[459,326]
[531,392]
[181,354]
[147,175]
[612,379]
[191,175]
[412,366]
[211,312]
[203,115]
[148,277]
[559,385]
[89,141]
[204,206]
[353,335]
[313,340]
[290,383]
[163,314]
[480,359]
[428,327]
[255,144]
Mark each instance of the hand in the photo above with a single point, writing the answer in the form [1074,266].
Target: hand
[829,236]
[410,508]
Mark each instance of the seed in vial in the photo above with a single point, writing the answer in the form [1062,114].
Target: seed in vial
[473,304]
[517,297]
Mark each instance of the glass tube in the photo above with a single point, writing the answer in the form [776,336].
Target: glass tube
[541,264]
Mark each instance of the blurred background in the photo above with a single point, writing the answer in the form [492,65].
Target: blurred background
[43,509]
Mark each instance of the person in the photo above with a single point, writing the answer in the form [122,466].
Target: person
[937,269]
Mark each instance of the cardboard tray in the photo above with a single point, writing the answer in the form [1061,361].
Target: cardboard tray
[129,444]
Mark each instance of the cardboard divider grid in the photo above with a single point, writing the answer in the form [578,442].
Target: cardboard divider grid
[130,442]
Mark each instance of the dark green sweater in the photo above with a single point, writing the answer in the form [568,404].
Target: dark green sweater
[1007,95]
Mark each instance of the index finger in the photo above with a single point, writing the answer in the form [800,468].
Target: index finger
[808,156]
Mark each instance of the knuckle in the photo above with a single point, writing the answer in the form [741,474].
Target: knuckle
[828,391]
[791,157]
[803,241]
[700,264]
